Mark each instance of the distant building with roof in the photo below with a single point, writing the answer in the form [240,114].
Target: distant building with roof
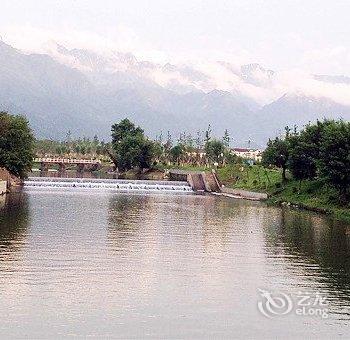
[248,154]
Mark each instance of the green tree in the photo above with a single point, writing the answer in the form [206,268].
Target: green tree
[305,150]
[335,157]
[176,152]
[125,129]
[146,155]
[215,150]
[130,148]
[16,144]
[277,154]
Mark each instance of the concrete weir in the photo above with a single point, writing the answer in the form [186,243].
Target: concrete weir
[198,180]
[109,184]
[209,182]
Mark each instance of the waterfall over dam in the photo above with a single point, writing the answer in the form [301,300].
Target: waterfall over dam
[110,184]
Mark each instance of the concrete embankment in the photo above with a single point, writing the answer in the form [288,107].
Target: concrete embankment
[240,193]
[10,180]
[3,187]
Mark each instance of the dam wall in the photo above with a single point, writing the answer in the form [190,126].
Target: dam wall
[198,180]
[109,184]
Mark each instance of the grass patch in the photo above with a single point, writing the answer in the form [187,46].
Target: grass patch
[250,177]
[313,195]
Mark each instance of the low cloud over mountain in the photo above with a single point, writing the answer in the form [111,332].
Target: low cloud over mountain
[85,92]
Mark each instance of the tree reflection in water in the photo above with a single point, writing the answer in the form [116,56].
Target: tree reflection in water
[126,214]
[306,240]
[14,221]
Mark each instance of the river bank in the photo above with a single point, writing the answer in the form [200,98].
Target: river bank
[3,187]
[8,181]
[262,184]
[266,184]
[309,195]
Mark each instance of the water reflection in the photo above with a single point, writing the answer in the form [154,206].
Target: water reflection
[316,250]
[319,239]
[101,264]
[14,222]
[126,214]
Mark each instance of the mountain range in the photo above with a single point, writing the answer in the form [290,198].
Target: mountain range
[86,91]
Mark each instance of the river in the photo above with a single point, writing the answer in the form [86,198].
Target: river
[79,263]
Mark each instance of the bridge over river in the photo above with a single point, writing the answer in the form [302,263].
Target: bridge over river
[81,164]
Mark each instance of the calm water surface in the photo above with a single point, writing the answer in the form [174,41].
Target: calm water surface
[99,264]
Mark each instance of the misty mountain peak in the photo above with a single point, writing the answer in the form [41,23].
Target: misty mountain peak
[86,91]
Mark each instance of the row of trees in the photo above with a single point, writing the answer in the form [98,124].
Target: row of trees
[130,148]
[186,150]
[320,150]
[77,148]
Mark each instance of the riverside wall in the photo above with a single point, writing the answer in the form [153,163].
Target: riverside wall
[245,193]
[3,187]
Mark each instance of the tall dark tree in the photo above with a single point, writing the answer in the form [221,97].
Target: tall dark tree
[16,144]
[207,134]
[226,139]
[277,154]
[130,148]
[305,150]
[169,141]
[199,140]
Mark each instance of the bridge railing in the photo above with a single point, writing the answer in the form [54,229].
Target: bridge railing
[67,161]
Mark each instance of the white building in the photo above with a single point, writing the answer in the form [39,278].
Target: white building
[248,154]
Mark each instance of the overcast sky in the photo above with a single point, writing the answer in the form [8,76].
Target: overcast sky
[313,35]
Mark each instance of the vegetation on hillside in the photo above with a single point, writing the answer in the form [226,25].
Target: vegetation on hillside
[250,177]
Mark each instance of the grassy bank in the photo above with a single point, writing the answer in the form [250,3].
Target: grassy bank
[254,178]
[312,195]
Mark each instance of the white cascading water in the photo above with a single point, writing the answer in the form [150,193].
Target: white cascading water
[110,184]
